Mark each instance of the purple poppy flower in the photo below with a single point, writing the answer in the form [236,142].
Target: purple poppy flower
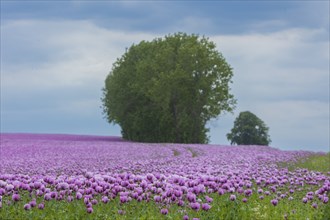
[240,190]
[59,197]
[274,202]
[2,183]
[53,195]
[41,206]
[105,199]
[206,206]
[180,203]
[261,197]
[86,200]
[89,191]
[173,198]
[185,217]
[9,187]
[94,202]
[248,185]
[89,210]
[325,199]
[157,198]
[123,199]
[195,206]
[304,200]
[310,193]
[178,193]
[15,197]
[33,203]
[27,206]
[78,195]
[63,186]
[37,185]
[244,200]
[99,189]
[248,192]
[232,197]
[208,199]
[47,197]
[221,192]
[164,211]
[191,197]
[39,192]
[314,205]
[88,175]
[70,198]
[89,205]
[121,212]
[231,190]
[135,195]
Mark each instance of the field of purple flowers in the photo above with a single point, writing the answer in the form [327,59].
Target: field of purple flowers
[82,177]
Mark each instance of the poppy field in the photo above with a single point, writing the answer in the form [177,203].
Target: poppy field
[97,177]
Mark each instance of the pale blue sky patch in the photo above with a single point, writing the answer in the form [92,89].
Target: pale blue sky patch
[55,57]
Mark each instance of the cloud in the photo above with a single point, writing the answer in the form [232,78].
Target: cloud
[282,64]
[312,13]
[283,77]
[271,25]
[191,24]
[298,124]
[52,73]
[72,53]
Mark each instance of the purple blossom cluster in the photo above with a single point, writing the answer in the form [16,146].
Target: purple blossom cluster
[87,168]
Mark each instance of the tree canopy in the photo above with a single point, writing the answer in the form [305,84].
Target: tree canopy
[249,130]
[166,90]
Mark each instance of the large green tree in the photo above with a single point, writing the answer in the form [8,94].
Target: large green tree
[166,90]
[249,130]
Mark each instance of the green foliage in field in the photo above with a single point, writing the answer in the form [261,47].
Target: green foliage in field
[319,163]
[316,162]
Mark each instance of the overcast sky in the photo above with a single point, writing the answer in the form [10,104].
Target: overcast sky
[56,55]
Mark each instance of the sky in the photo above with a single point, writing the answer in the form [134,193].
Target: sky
[55,56]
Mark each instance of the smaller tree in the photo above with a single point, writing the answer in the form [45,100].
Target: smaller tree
[249,130]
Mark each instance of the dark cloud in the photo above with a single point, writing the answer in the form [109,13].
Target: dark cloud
[55,57]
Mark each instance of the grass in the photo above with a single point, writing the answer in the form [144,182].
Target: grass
[317,162]
[176,152]
[222,207]
[193,152]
